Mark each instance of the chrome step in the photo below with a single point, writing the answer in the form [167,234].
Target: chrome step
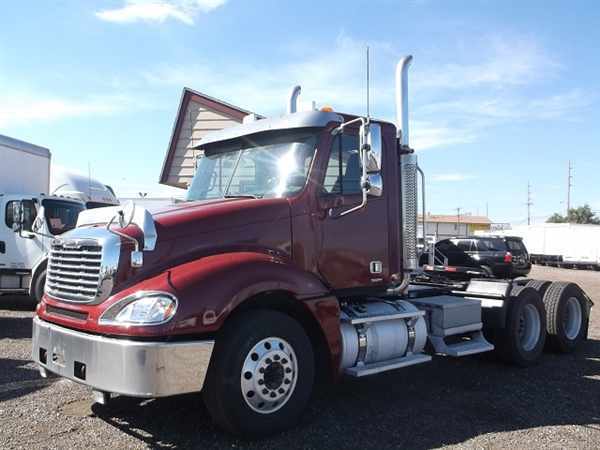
[476,343]
[371,369]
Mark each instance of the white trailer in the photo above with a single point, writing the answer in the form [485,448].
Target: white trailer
[25,167]
[560,244]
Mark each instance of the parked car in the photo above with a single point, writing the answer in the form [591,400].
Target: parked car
[492,256]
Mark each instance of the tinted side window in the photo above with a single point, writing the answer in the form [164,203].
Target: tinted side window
[343,169]
[29,213]
[464,245]
[515,247]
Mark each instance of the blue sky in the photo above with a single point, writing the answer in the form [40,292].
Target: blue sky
[501,93]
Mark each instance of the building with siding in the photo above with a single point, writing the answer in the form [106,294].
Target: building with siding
[447,226]
[197,115]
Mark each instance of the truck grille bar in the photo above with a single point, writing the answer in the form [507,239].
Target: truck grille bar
[74,271]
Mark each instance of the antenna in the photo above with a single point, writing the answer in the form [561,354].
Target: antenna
[368,83]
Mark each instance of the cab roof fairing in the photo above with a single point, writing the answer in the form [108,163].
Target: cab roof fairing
[305,119]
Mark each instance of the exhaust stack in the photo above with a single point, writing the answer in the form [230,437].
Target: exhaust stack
[293,100]
[408,170]
[402,98]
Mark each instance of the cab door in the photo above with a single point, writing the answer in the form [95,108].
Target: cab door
[19,251]
[354,248]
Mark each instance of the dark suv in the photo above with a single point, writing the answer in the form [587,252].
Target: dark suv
[469,257]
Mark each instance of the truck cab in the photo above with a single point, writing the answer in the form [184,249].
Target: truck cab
[291,261]
[28,223]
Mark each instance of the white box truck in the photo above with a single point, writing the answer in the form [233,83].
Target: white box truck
[29,217]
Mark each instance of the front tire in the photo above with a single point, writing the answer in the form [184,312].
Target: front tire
[37,286]
[261,376]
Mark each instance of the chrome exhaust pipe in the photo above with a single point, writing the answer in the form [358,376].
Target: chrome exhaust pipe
[293,100]
[408,172]
[402,99]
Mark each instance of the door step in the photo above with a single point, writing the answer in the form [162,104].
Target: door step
[475,344]
[370,369]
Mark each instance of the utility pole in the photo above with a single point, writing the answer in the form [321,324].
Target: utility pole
[529,203]
[487,210]
[569,186]
[458,219]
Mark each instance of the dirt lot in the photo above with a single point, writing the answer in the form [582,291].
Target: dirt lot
[471,402]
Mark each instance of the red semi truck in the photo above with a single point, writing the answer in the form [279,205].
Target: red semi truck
[292,261]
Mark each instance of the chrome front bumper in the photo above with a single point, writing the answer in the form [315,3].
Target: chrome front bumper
[133,368]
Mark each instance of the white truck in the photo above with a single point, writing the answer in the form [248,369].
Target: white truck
[30,218]
[92,192]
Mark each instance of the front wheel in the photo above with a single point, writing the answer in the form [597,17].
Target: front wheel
[261,376]
[37,286]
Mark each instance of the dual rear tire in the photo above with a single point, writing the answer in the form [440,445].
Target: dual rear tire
[521,341]
[567,312]
[542,315]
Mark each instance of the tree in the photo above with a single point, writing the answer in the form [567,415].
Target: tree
[556,218]
[582,214]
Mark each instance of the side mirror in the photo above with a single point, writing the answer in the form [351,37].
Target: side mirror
[371,135]
[17,215]
[38,223]
[126,214]
[375,181]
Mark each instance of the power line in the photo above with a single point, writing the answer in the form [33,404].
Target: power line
[569,186]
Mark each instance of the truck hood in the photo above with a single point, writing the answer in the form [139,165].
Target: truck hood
[193,218]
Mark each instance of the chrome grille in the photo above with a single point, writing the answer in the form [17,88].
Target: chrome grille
[74,270]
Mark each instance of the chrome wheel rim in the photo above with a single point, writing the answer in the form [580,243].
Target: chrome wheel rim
[573,318]
[269,375]
[529,327]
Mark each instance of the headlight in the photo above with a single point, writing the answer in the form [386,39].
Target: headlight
[142,308]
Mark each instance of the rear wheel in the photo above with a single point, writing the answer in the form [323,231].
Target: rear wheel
[261,376]
[521,341]
[567,316]
[541,286]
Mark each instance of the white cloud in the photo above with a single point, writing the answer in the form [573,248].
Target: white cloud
[25,109]
[333,76]
[159,11]
[502,108]
[503,62]
[451,177]
[427,135]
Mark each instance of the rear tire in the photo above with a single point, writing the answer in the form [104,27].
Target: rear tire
[567,316]
[261,374]
[521,341]
[541,286]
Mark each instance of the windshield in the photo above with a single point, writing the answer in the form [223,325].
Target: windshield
[271,164]
[61,215]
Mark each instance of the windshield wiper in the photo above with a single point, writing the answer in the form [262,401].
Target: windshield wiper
[241,196]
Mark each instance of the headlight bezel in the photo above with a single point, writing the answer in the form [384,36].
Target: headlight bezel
[109,316]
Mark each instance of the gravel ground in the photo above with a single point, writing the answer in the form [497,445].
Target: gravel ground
[455,403]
